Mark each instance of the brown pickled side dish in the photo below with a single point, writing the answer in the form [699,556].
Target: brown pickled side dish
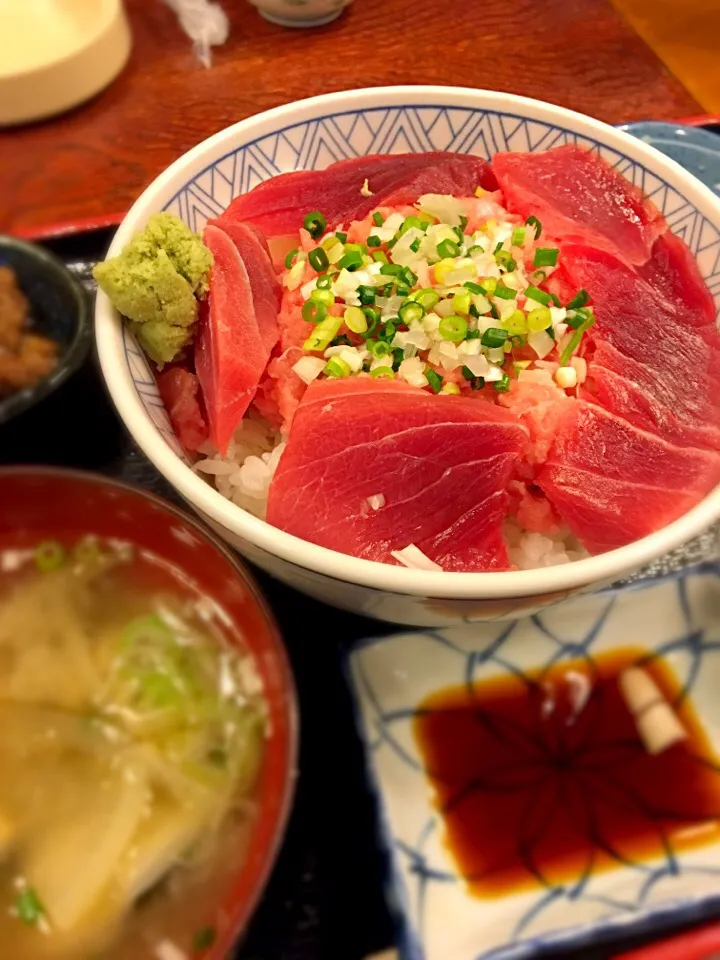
[25,357]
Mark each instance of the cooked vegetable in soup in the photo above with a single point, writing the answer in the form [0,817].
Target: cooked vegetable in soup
[131,734]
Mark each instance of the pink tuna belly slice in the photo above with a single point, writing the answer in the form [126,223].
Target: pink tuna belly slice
[231,351]
[180,389]
[613,483]
[279,205]
[577,196]
[437,470]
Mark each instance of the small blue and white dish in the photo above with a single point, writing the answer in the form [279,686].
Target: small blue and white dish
[694,148]
[593,814]
[59,309]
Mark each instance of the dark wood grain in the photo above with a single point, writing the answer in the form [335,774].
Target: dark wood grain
[95,160]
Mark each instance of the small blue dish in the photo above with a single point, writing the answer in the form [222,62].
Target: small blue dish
[60,310]
[694,148]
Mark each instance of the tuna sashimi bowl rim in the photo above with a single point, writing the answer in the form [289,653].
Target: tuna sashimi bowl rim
[338,566]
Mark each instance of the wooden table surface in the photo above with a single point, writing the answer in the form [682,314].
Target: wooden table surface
[95,160]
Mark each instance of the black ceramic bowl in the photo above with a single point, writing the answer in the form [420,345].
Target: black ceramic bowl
[60,309]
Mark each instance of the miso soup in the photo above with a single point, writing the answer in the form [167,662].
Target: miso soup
[131,735]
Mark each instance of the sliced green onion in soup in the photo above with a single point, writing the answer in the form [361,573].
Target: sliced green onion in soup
[49,555]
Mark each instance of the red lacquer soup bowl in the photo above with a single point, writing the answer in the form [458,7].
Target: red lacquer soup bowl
[38,504]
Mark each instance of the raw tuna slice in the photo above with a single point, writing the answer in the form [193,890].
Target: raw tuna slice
[439,466]
[266,291]
[577,196]
[673,272]
[232,350]
[612,483]
[654,360]
[180,392]
[278,206]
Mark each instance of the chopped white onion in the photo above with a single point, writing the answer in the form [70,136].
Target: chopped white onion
[309,368]
[580,365]
[167,950]
[541,342]
[413,372]
[365,189]
[446,208]
[477,365]
[294,276]
[413,557]
[376,501]
[566,377]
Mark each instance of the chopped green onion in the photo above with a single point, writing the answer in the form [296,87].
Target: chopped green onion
[373,319]
[203,939]
[88,550]
[388,330]
[380,349]
[475,248]
[391,269]
[502,385]
[408,277]
[341,341]
[356,248]
[539,319]
[474,287]
[579,300]
[398,357]
[378,219]
[410,223]
[535,293]
[415,245]
[505,293]
[518,237]
[341,235]
[461,302]
[494,313]
[427,298]
[402,290]
[391,243]
[337,367]
[539,276]
[555,299]
[290,257]
[28,907]
[434,379]
[579,316]
[366,294]
[546,257]
[505,260]
[474,312]
[518,340]
[373,241]
[477,383]
[458,233]
[49,555]
[313,311]
[325,297]
[315,224]
[472,334]
[488,285]
[516,323]
[448,248]
[494,337]
[453,328]
[323,333]
[379,256]
[463,222]
[383,373]
[534,222]
[323,283]
[411,311]
[574,341]
[355,320]
[350,261]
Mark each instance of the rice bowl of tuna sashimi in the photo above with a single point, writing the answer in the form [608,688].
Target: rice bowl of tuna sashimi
[422,375]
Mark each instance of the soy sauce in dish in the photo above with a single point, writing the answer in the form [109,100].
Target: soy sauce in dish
[543,778]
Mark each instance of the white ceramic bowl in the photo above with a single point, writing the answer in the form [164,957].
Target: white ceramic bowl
[311,134]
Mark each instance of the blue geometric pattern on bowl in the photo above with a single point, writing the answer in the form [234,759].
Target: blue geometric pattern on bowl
[695,149]
[676,618]
[316,143]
